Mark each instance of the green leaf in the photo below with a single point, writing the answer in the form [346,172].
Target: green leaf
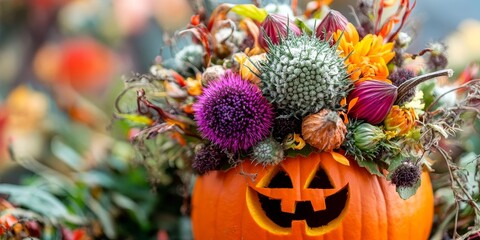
[371,166]
[138,212]
[394,163]
[185,225]
[105,217]
[39,201]
[250,11]
[428,93]
[96,178]
[407,192]
[135,120]
[67,154]
[304,152]
[303,26]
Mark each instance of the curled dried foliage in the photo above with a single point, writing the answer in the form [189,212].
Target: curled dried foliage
[437,125]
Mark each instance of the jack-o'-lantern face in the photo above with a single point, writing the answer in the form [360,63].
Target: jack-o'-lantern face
[307,198]
[296,196]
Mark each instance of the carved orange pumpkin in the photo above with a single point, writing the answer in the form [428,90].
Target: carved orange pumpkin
[307,198]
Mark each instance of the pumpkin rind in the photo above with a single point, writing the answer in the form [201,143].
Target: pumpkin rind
[374,209]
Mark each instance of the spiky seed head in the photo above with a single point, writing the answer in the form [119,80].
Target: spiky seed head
[438,58]
[303,75]
[232,113]
[368,136]
[406,175]
[400,76]
[212,73]
[209,158]
[268,152]
[403,40]
[189,57]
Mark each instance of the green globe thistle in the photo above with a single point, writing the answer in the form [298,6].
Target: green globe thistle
[350,144]
[189,58]
[303,75]
[367,136]
[268,152]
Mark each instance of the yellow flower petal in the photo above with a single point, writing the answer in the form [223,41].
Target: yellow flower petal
[300,142]
[367,58]
[340,158]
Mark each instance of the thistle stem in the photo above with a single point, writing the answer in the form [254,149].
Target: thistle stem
[413,82]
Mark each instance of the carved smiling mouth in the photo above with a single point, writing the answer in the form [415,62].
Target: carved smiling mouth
[335,205]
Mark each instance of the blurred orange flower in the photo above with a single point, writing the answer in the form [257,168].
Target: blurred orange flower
[27,114]
[367,58]
[26,109]
[83,63]
[172,15]
[132,16]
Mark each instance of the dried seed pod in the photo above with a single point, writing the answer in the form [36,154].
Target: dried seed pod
[324,130]
[212,73]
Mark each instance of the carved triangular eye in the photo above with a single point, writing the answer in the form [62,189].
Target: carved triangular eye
[320,180]
[280,180]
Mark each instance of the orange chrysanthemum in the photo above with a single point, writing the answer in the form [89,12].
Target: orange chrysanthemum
[399,121]
[367,58]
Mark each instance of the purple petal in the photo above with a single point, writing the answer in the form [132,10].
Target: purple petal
[233,114]
[275,27]
[375,98]
[331,23]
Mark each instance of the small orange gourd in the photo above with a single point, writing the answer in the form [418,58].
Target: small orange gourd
[324,130]
[311,197]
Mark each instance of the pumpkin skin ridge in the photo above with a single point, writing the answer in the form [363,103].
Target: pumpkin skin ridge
[386,207]
[242,226]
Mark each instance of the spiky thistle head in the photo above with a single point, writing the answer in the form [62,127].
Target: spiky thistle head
[303,75]
[233,114]
[367,136]
[351,146]
[189,57]
[268,152]
[209,158]
[406,175]
[400,76]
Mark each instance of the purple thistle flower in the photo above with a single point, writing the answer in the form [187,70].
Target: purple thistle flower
[275,27]
[331,23]
[233,114]
[375,98]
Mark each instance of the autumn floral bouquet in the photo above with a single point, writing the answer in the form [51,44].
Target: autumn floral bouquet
[275,82]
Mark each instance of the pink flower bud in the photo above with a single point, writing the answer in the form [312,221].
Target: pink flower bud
[275,27]
[331,23]
[375,98]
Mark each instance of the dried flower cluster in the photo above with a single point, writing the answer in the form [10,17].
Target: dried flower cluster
[264,86]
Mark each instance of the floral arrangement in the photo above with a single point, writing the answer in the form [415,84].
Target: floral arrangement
[267,83]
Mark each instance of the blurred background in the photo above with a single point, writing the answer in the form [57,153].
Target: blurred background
[62,65]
